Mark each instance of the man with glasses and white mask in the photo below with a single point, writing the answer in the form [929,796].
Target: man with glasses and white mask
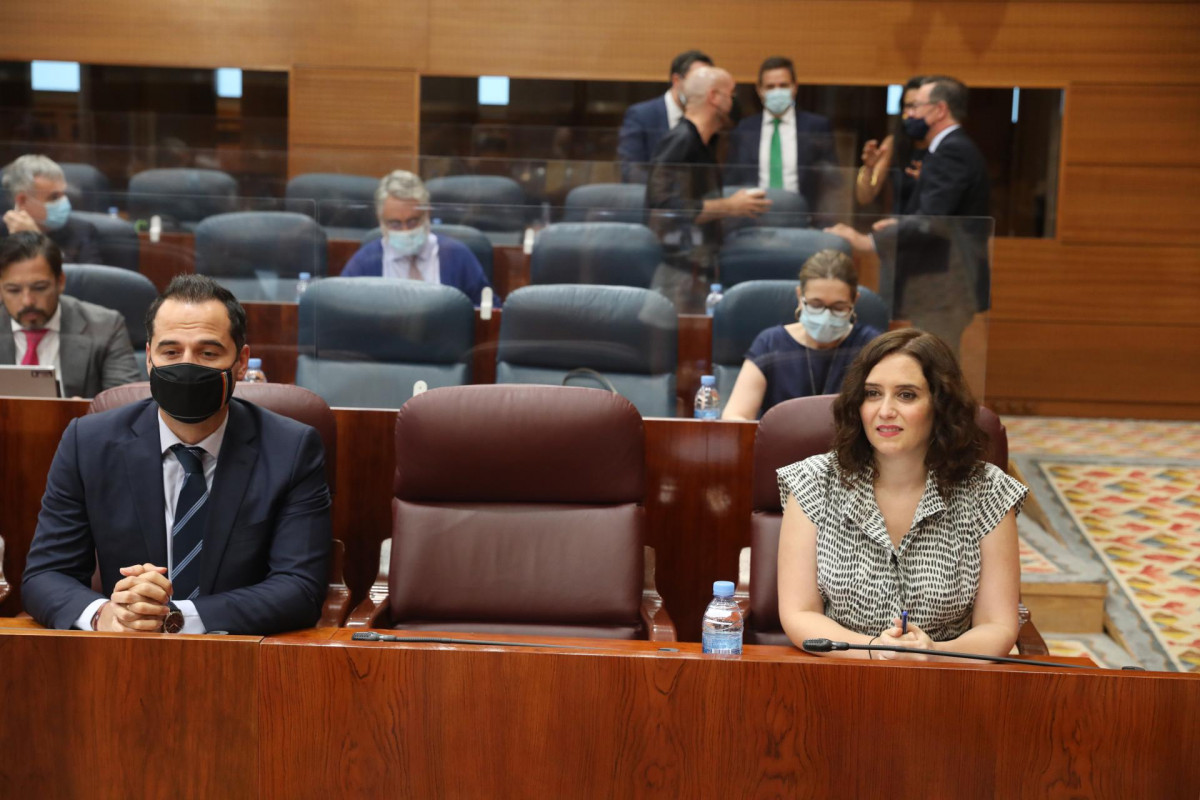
[407,249]
[38,190]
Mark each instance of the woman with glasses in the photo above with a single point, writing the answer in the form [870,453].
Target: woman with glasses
[809,356]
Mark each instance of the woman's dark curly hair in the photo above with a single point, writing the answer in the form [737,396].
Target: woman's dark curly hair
[956,443]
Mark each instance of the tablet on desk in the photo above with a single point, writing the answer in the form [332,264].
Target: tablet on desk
[26,381]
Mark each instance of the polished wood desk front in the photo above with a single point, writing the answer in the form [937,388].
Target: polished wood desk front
[628,719]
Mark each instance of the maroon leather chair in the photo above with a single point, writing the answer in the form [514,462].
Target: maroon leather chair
[790,432]
[518,509]
[291,401]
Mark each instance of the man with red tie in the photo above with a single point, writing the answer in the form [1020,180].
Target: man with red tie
[89,344]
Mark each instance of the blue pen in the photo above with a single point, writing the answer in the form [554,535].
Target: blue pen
[903,622]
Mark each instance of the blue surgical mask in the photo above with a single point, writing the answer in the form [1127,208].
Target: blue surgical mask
[407,243]
[57,213]
[822,326]
[778,101]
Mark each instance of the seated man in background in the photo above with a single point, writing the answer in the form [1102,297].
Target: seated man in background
[647,122]
[204,512]
[89,344]
[784,147]
[38,190]
[407,249]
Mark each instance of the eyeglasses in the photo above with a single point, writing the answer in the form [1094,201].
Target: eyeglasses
[412,223]
[839,310]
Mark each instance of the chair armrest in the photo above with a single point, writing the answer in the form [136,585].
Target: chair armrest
[373,611]
[337,594]
[1029,640]
[659,627]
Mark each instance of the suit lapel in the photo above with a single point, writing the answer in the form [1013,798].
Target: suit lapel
[239,451]
[143,466]
[8,346]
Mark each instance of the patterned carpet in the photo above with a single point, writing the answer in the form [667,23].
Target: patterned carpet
[1131,491]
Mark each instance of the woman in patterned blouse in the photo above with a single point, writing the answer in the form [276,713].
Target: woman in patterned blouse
[902,515]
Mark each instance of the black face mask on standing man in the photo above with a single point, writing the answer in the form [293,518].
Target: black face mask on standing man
[191,393]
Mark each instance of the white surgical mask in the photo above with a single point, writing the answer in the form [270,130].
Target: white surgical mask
[57,213]
[778,101]
[822,326]
[407,243]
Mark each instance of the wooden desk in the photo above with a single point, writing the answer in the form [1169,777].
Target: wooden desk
[106,715]
[629,720]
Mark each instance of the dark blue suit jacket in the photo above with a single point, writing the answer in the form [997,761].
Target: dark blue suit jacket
[457,266]
[644,125]
[814,148]
[266,552]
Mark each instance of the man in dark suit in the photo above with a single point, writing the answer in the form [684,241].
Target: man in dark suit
[647,122]
[204,512]
[784,147]
[38,189]
[88,343]
[935,258]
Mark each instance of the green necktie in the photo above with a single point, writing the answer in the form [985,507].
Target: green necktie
[776,157]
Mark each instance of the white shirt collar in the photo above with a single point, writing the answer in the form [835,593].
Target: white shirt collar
[786,119]
[53,324]
[674,110]
[211,444]
[938,139]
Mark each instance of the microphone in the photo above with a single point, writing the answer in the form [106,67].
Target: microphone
[372,636]
[825,646]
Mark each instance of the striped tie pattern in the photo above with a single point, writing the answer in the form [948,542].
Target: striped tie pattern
[187,534]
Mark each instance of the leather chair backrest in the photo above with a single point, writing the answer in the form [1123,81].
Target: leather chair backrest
[749,308]
[607,202]
[131,293]
[119,244]
[334,200]
[608,253]
[182,197]
[629,335]
[364,342]
[285,399]
[258,255]
[479,244]
[791,432]
[486,202]
[756,254]
[518,509]
[87,187]
[788,210]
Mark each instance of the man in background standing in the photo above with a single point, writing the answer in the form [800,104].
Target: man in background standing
[647,122]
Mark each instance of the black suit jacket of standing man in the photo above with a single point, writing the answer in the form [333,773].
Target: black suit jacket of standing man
[814,149]
[953,183]
[267,543]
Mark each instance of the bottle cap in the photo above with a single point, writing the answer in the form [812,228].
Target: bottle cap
[716,287]
[723,588]
[254,363]
[306,276]
[708,380]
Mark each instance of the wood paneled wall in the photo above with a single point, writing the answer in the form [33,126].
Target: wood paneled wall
[1099,320]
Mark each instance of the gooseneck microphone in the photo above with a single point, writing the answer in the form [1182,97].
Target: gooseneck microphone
[826,645]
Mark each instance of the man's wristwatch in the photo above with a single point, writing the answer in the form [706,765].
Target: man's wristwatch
[173,622]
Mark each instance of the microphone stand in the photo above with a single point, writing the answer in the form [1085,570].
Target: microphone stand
[825,646]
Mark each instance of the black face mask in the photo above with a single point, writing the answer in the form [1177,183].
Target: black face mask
[916,128]
[191,393]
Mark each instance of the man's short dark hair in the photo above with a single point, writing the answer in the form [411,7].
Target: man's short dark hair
[914,82]
[200,289]
[24,245]
[683,62]
[777,62]
[950,91]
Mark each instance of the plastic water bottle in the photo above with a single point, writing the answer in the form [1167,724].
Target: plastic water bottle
[722,626]
[254,373]
[708,402]
[302,281]
[714,296]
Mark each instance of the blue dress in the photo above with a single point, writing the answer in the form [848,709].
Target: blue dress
[793,370]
